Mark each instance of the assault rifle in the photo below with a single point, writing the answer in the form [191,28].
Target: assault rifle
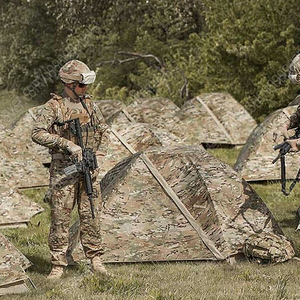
[88,163]
[284,148]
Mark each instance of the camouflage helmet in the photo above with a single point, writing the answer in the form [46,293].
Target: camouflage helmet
[294,70]
[75,70]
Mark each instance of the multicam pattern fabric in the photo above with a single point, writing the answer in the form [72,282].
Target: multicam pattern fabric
[215,118]
[21,166]
[294,67]
[12,212]
[72,70]
[268,248]
[109,107]
[140,136]
[296,101]
[51,131]
[159,112]
[255,159]
[21,159]
[65,191]
[147,110]
[12,266]
[143,224]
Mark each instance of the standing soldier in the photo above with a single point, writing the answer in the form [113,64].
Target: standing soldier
[294,120]
[53,130]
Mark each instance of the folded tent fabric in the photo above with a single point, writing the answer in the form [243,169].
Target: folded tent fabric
[12,268]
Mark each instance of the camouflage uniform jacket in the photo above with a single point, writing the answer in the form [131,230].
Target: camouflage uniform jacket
[48,131]
[295,119]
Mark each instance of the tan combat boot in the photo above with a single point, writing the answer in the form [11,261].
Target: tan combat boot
[56,272]
[97,266]
[71,261]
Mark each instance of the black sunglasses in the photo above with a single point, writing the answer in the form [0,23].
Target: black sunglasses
[82,85]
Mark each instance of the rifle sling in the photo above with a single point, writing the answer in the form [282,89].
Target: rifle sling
[283,177]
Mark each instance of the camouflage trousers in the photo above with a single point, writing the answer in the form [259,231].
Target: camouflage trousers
[65,191]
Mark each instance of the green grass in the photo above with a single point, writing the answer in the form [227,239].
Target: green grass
[227,155]
[166,281]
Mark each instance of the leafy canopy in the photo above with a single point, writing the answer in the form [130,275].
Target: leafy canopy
[174,49]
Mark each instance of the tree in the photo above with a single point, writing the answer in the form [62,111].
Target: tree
[241,47]
[28,45]
[158,28]
[246,50]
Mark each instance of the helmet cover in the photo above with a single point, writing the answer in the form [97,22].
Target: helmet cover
[76,70]
[294,70]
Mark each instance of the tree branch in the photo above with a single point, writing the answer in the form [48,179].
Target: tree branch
[135,56]
[143,56]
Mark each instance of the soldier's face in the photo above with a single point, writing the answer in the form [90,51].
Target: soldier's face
[80,89]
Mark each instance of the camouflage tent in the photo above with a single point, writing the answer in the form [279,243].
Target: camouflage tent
[23,173]
[159,112]
[12,212]
[215,118]
[153,111]
[255,159]
[13,278]
[109,107]
[296,101]
[20,162]
[133,137]
[21,158]
[125,140]
[180,203]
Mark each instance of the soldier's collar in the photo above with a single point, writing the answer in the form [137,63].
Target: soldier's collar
[66,96]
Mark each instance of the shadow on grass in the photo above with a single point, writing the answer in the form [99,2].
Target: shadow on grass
[289,222]
[289,226]
[39,264]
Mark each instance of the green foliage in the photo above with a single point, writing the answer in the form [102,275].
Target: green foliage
[28,44]
[157,28]
[246,51]
[241,47]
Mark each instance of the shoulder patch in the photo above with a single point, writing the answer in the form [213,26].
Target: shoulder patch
[55,97]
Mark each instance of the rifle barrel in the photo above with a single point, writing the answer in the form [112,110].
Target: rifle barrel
[276,147]
[276,158]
